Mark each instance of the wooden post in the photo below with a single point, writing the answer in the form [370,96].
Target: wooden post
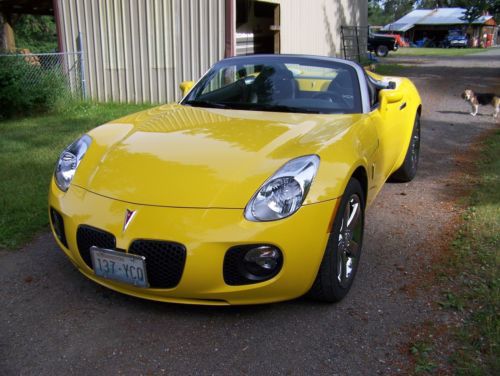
[276,29]
[230,47]
[7,40]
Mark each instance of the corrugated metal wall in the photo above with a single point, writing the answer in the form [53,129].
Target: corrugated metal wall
[141,50]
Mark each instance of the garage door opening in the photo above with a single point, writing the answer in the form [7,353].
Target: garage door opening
[257,27]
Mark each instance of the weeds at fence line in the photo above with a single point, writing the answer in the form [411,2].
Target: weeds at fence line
[38,83]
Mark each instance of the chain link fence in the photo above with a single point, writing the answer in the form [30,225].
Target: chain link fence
[354,42]
[60,71]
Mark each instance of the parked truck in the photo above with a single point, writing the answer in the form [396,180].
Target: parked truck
[381,44]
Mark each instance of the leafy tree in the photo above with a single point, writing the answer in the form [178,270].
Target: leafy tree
[36,33]
[376,14]
[382,12]
[398,8]
[476,8]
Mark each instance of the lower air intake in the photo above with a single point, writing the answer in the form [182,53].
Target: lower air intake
[87,237]
[164,261]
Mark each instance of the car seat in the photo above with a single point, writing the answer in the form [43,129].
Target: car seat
[274,83]
[342,84]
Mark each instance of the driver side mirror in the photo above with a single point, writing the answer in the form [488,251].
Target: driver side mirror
[387,97]
[185,86]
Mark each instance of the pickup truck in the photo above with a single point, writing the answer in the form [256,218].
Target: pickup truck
[381,44]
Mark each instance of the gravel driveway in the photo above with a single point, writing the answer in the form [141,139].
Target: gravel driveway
[54,321]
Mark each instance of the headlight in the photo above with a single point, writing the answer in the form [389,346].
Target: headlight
[284,192]
[69,160]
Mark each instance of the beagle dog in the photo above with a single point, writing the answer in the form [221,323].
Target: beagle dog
[476,99]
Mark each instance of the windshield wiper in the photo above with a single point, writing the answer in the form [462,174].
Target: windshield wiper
[198,103]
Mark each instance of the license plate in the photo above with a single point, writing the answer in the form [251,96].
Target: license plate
[119,266]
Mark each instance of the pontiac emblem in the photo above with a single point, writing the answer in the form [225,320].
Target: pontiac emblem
[129,215]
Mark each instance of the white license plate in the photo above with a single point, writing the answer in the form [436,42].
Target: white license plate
[119,266]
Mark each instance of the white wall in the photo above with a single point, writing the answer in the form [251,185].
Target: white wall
[313,26]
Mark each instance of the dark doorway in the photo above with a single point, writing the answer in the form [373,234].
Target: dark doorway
[257,27]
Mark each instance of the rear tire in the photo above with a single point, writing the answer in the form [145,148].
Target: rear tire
[382,50]
[341,258]
[409,168]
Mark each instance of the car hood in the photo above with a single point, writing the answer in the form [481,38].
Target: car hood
[182,156]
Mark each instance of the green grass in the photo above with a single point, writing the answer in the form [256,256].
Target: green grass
[421,350]
[470,278]
[389,69]
[435,51]
[29,148]
[477,256]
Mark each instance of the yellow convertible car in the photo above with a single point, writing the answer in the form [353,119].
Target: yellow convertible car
[250,190]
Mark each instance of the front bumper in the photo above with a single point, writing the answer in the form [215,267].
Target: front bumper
[207,234]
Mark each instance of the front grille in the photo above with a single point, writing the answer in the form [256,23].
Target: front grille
[87,237]
[164,261]
[58,224]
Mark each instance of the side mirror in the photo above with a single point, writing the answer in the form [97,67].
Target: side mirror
[389,96]
[185,86]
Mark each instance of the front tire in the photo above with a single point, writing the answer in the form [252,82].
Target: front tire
[341,259]
[409,168]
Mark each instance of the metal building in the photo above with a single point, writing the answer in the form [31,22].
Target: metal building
[436,24]
[141,50]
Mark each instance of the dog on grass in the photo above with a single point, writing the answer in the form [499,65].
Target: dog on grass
[484,99]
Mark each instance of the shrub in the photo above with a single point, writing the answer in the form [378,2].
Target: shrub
[27,88]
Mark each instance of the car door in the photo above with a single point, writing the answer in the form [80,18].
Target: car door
[386,116]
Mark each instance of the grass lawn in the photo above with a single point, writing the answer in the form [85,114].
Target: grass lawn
[476,260]
[469,280]
[389,69]
[435,52]
[29,150]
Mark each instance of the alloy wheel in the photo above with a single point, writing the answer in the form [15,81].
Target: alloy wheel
[349,240]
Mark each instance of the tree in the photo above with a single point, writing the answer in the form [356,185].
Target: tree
[381,12]
[476,8]
[376,14]
[36,33]
[398,8]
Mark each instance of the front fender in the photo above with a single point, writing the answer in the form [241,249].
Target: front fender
[341,159]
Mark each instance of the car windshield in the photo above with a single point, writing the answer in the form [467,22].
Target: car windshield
[279,84]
